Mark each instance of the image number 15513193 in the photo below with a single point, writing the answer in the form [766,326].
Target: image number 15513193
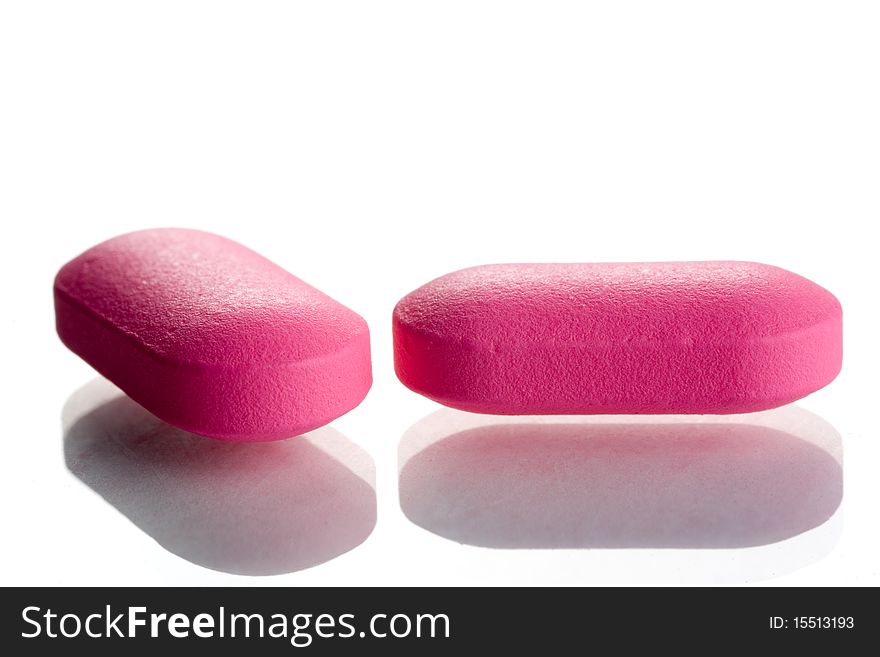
[812,623]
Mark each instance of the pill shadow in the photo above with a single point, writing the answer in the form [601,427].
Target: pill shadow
[245,508]
[735,482]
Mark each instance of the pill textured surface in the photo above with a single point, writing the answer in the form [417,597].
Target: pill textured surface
[678,337]
[212,337]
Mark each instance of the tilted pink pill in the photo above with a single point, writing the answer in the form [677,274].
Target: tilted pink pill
[212,337]
[677,337]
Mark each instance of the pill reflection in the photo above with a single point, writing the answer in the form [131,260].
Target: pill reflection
[247,508]
[672,482]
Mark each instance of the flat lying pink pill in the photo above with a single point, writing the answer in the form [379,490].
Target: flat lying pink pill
[641,338]
[212,337]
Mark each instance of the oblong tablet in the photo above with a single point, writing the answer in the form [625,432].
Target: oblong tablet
[212,337]
[677,337]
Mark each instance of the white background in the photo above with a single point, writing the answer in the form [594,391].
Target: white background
[371,146]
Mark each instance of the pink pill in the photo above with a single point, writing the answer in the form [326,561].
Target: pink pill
[212,337]
[677,337]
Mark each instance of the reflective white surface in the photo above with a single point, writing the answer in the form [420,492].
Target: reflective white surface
[371,146]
